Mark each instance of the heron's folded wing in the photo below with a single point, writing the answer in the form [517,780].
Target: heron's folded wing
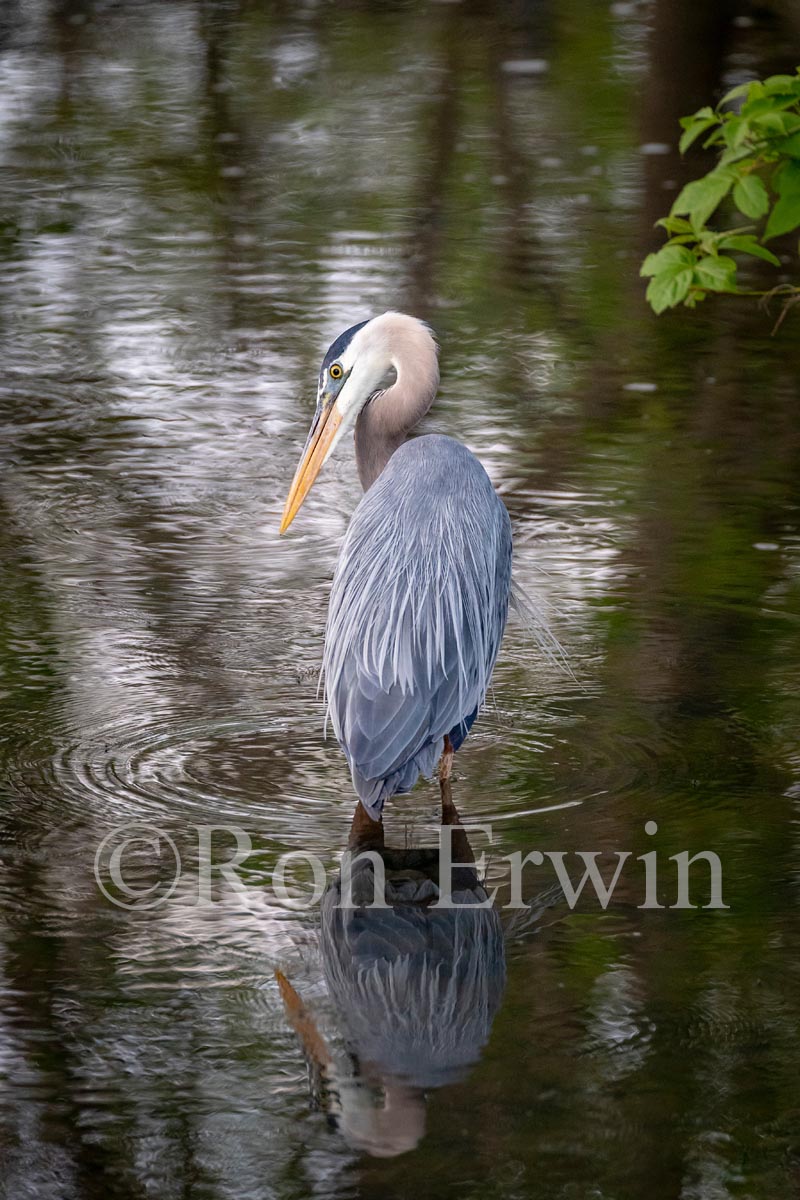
[416,617]
[382,729]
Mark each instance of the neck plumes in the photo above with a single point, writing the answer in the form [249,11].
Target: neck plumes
[412,374]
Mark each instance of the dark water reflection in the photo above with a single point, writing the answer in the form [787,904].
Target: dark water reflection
[414,986]
[195,198]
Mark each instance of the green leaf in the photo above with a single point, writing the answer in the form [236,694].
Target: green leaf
[741,89]
[669,287]
[668,256]
[774,124]
[782,83]
[700,115]
[718,274]
[790,146]
[700,197]
[672,268]
[787,178]
[750,196]
[743,155]
[767,104]
[715,138]
[693,126]
[675,225]
[736,131]
[746,243]
[785,216]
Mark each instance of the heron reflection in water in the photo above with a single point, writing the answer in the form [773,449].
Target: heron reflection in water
[421,590]
[415,989]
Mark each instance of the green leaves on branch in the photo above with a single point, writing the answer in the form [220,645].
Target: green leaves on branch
[680,274]
[758,173]
[689,265]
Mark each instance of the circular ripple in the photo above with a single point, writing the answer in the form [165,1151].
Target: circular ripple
[259,772]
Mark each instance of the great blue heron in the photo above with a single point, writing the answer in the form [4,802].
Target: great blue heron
[421,590]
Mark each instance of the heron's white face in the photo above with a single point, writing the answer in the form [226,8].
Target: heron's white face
[348,380]
[364,368]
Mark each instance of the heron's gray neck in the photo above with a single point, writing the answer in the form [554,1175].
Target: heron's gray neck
[375,442]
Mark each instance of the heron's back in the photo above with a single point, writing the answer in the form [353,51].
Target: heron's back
[417,612]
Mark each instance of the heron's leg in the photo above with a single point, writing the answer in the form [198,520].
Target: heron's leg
[445,771]
[446,761]
[462,851]
[365,834]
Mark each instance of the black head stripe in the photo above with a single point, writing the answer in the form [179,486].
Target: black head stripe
[337,348]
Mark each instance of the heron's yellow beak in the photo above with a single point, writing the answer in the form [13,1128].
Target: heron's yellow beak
[323,431]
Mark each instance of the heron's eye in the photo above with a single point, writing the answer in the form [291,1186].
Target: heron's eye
[336,371]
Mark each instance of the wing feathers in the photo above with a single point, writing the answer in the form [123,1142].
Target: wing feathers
[417,610]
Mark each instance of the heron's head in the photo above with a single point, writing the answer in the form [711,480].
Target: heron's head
[361,365]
